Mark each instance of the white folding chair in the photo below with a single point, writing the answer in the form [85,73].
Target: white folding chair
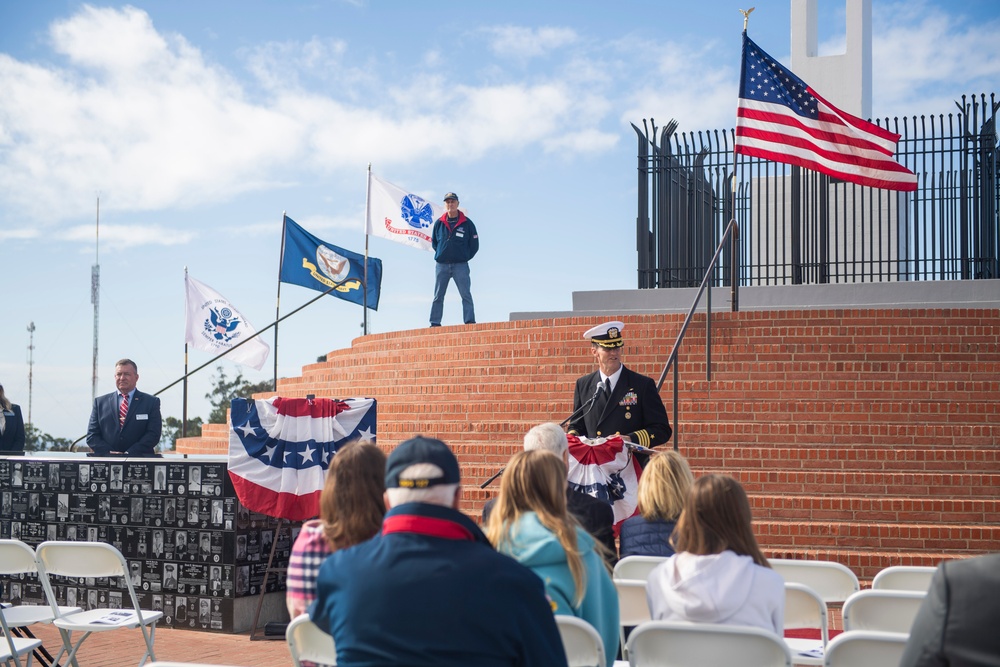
[633,608]
[678,644]
[636,567]
[805,609]
[17,558]
[12,648]
[882,610]
[904,578]
[93,559]
[832,581]
[581,641]
[864,648]
[307,641]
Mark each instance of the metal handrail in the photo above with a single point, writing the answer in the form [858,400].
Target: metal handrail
[731,230]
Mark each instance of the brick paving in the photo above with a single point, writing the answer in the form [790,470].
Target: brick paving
[123,648]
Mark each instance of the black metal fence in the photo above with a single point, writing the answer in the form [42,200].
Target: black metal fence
[798,227]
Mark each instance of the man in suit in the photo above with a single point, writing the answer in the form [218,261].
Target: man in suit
[126,421]
[11,425]
[614,400]
[956,624]
[596,516]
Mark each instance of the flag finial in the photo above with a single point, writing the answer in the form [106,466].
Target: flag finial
[746,17]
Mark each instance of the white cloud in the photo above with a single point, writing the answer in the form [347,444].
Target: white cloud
[921,53]
[522,43]
[128,236]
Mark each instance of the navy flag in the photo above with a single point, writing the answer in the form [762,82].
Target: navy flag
[312,262]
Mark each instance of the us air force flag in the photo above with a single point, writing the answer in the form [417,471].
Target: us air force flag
[398,215]
[280,449]
[214,325]
[311,262]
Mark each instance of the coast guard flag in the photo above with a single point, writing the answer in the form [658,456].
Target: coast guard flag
[605,469]
[280,449]
[214,325]
[312,262]
[398,215]
[781,118]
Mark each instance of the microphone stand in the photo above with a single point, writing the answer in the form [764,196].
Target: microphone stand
[585,408]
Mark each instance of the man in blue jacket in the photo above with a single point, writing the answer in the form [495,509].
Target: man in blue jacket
[455,241]
[429,589]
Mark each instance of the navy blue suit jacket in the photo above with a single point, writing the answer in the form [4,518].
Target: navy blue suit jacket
[137,437]
[12,439]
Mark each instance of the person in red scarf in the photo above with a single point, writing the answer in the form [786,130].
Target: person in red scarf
[429,589]
[455,241]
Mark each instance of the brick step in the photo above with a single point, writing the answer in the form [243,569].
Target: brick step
[836,433]
[822,482]
[867,508]
[847,457]
[879,536]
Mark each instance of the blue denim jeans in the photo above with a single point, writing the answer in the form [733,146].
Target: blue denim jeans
[460,273]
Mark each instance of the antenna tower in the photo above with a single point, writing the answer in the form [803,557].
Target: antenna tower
[31,363]
[95,296]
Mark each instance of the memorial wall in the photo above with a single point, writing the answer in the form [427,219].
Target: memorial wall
[193,550]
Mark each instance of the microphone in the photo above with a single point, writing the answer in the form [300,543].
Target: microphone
[585,409]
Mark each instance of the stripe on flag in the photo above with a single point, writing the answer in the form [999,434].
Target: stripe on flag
[605,469]
[280,449]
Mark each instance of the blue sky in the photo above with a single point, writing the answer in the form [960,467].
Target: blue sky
[199,123]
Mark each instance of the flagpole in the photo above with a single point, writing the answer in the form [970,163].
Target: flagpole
[184,411]
[277,301]
[368,192]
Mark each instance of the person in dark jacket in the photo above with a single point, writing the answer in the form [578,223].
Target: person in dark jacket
[455,242]
[663,486]
[11,425]
[956,623]
[429,589]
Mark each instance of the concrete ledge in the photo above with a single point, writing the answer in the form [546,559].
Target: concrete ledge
[924,294]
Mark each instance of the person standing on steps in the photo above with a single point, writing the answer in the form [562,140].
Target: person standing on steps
[455,242]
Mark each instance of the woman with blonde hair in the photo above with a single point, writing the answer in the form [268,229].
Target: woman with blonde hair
[351,508]
[663,486]
[719,574]
[530,523]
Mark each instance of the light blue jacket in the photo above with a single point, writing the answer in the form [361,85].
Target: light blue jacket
[537,548]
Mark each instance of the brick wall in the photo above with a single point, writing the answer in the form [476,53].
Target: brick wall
[870,436]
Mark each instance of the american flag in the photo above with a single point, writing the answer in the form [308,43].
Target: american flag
[605,469]
[780,118]
[280,449]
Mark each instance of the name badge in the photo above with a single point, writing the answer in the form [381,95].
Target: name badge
[460,233]
[141,417]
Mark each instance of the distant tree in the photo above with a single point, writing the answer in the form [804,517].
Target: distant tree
[226,390]
[172,431]
[38,441]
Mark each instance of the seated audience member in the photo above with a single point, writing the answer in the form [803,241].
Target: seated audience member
[957,621]
[530,522]
[596,516]
[429,589]
[351,508]
[663,487]
[718,574]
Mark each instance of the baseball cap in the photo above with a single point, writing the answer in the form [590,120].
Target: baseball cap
[421,450]
[450,195]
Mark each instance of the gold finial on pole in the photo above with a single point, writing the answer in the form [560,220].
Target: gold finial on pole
[746,17]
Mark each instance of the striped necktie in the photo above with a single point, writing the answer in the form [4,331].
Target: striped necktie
[123,410]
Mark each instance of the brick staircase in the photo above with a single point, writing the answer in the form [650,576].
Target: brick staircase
[870,437]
